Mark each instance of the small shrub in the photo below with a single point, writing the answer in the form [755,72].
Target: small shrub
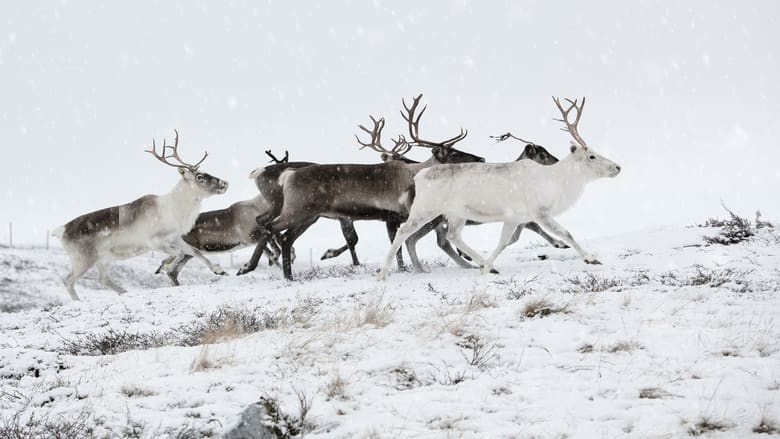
[405,378]
[733,230]
[590,283]
[517,289]
[447,376]
[224,323]
[283,425]
[113,342]
[78,427]
[734,280]
[475,351]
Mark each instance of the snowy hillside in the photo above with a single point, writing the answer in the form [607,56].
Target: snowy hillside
[669,338]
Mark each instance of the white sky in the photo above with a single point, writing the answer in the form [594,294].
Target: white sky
[684,95]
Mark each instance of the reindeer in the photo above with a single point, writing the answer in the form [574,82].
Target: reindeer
[235,227]
[356,191]
[531,151]
[152,222]
[227,230]
[514,193]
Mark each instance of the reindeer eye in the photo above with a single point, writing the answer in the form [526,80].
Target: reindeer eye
[592,157]
[200,177]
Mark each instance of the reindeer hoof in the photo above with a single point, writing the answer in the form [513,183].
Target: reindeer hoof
[560,244]
[593,261]
[542,257]
[243,270]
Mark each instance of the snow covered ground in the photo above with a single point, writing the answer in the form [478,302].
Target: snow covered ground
[669,338]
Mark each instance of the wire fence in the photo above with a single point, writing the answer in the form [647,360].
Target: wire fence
[41,242]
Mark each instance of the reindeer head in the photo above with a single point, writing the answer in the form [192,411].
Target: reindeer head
[591,162]
[200,181]
[443,151]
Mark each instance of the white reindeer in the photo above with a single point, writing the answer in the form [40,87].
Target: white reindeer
[514,193]
[152,222]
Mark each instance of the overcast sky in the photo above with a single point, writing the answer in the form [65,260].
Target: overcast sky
[684,95]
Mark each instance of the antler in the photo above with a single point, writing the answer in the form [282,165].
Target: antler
[400,147]
[174,155]
[571,128]
[502,137]
[276,160]
[414,126]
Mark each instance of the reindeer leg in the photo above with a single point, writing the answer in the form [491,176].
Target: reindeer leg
[411,225]
[255,258]
[392,230]
[351,237]
[550,224]
[105,279]
[454,231]
[165,262]
[215,268]
[444,244]
[79,264]
[263,238]
[508,232]
[557,243]
[287,241]
[350,234]
[173,273]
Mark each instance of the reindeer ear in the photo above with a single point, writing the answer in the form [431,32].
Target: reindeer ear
[385,157]
[573,146]
[181,171]
[436,151]
[530,149]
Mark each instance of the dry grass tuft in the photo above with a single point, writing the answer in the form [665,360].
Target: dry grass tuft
[767,426]
[706,425]
[374,312]
[132,391]
[336,387]
[480,301]
[586,348]
[542,308]
[624,346]
[653,393]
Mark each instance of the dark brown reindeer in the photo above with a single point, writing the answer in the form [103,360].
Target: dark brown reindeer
[152,222]
[356,191]
[226,230]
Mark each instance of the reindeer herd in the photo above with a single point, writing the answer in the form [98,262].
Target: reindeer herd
[449,190]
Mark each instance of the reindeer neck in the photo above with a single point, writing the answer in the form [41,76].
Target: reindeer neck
[432,160]
[570,172]
[184,194]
